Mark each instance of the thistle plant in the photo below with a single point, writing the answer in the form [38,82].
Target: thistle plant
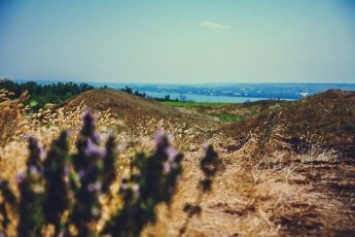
[56,171]
[152,180]
[90,163]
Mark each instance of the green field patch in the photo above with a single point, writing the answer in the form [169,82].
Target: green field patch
[190,104]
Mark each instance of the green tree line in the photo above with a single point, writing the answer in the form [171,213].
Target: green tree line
[42,94]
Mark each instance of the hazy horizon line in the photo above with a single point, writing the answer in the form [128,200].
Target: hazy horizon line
[171,83]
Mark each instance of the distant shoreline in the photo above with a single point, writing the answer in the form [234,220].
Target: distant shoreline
[233,93]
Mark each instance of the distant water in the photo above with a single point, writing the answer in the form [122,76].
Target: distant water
[205,98]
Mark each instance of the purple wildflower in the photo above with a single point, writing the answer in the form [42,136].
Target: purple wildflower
[32,169]
[93,150]
[161,139]
[82,174]
[88,117]
[96,137]
[94,186]
[66,170]
[42,153]
[86,113]
[32,141]
[205,146]
[21,177]
[91,187]
[172,153]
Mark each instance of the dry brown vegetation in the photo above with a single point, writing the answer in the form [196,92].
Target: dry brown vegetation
[288,169]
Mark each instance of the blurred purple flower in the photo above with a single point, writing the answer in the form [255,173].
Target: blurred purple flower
[171,152]
[42,153]
[21,177]
[96,137]
[32,141]
[66,170]
[161,140]
[93,150]
[94,186]
[86,113]
[205,146]
[89,119]
[91,187]
[33,169]
[82,174]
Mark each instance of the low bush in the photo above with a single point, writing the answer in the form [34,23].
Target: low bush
[64,190]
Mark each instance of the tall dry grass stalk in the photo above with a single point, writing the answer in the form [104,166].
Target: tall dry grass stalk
[13,126]
[12,119]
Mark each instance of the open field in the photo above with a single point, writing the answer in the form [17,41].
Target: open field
[287,167]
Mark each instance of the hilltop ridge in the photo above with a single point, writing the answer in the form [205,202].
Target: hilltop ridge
[132,109]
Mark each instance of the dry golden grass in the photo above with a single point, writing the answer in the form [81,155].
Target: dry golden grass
[264,188]
[12,120]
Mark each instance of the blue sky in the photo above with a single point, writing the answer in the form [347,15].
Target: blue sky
[178,41]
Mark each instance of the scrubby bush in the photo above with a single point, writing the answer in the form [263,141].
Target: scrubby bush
[64,190]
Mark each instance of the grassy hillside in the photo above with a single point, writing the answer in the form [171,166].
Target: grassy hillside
[132,109]
[283,171]
[325,120]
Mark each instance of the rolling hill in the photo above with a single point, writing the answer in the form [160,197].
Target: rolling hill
[287,168]
[133,109]
[326,120]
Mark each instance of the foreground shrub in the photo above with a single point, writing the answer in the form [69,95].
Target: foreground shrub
[63,190]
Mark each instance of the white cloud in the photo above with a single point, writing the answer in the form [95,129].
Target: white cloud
[214,25]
